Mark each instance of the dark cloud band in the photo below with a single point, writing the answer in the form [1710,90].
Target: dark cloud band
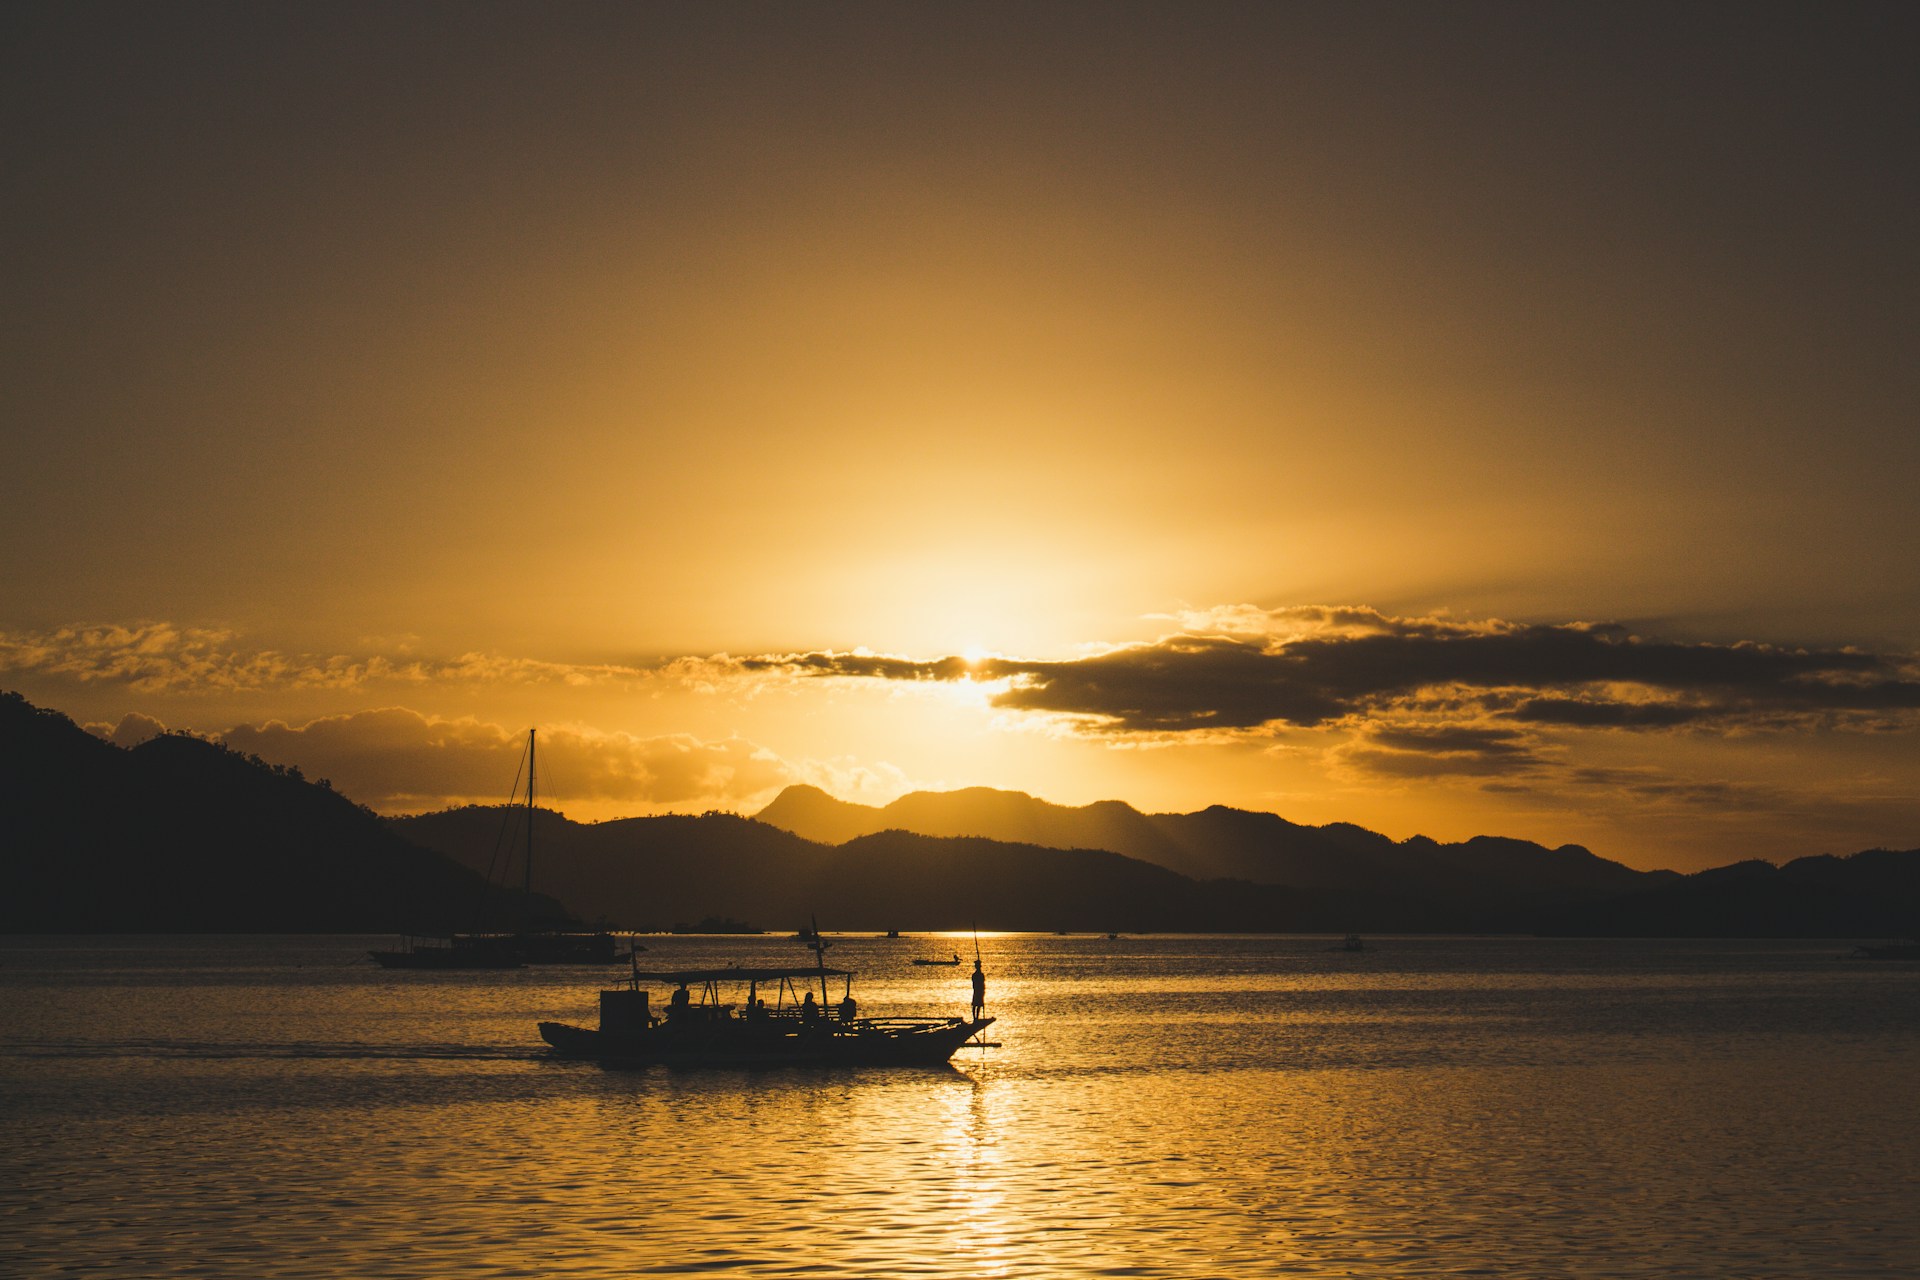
[1572,675]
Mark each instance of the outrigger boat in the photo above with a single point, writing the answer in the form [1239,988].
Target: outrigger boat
[709,1032]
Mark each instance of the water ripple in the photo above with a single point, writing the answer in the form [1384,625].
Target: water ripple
[1191,1111]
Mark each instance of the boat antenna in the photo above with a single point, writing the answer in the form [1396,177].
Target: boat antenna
[980,1035]
[819,946]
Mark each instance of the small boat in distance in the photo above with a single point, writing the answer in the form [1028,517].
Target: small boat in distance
[456,951]
[1887,951]
[710,1031]
[943,963]
[1351,942]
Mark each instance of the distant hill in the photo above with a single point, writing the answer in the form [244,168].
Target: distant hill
[1873,894]
[647,873]
[1344,876]
[182,835]
[657,872]
[1486,876]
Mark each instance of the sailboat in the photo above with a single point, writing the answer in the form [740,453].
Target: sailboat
[526,945]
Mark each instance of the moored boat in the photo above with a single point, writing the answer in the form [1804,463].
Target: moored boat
[458,951]
[1887,951]
[526,945]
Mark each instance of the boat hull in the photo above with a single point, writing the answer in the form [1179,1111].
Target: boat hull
[447,958]
[901,1042]
[508,951]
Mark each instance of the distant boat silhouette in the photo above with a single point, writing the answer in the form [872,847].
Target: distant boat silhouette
[451,951]
[943,963]
[1351,942]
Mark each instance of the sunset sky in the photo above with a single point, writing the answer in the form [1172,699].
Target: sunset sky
[1446,418]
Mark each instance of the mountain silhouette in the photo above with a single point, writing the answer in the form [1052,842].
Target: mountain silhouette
[1872,894]
[657,872]
[648,873]
[1487,873]
[182,835]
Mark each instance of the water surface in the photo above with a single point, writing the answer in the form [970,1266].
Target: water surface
[1157,1107]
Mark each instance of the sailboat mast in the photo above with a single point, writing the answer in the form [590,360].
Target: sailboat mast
[526,882]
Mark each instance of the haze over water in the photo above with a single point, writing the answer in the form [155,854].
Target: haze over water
[1158,1106]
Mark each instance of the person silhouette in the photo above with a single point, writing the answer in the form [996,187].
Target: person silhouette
[979,991]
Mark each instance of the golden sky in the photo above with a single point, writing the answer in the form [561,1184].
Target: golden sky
[1448,419]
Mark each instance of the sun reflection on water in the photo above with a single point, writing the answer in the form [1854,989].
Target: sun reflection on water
[979,1203]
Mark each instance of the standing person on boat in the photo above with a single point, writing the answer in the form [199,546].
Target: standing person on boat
[809,1010]
[979,990]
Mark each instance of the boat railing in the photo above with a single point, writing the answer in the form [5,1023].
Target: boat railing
[708,1012]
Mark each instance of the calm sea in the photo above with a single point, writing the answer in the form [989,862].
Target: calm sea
[1163,1106]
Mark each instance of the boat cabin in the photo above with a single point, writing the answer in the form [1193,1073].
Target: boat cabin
[697,998]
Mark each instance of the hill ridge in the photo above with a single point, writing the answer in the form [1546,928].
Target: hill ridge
[1225,842]
[184,835]
[179,834]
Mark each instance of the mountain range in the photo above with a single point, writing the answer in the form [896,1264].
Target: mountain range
[183,835]
[1494,874]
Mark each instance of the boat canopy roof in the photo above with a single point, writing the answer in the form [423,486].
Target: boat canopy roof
[683,977]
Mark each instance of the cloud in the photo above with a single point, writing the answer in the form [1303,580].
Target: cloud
[1439,751]
[133,729]
[149,657]
[1650,787]
[1240,669]
[160,657]
[394,759]
[866,665]
[1590,713]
